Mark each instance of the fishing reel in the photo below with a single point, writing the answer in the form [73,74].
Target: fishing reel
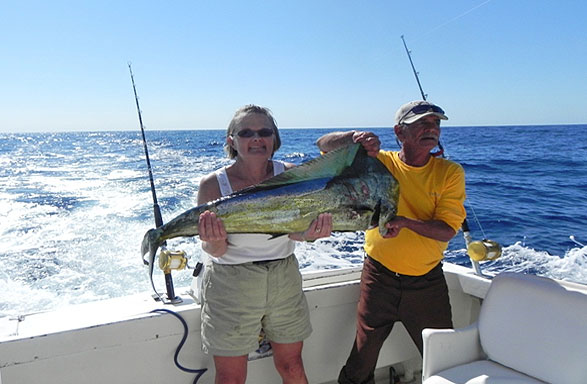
[169,260]
[484,250]
[175,260]
[172,260]
[480,250]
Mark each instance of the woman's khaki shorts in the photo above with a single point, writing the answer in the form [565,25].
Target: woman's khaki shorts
[239,300]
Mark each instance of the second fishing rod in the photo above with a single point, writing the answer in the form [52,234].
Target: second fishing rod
[479,250]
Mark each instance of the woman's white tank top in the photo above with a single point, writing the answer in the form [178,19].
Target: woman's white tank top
[244,248]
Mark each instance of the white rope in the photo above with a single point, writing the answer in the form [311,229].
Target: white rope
[477,220]
[452,20]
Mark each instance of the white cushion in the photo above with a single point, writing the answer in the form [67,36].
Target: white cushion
[535,326]
[445,348]
[480,372]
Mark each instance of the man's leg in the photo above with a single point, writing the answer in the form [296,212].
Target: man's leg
[376,314]
[425,304]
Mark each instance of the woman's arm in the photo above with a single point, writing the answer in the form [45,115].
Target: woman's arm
[210,228]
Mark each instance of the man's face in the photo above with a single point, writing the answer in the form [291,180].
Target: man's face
[423,133]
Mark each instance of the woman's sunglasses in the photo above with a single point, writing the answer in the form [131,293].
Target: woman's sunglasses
[247,132]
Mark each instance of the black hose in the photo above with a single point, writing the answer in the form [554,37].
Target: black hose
[200,371]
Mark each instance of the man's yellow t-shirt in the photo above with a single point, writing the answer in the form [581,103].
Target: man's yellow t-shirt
[435,191]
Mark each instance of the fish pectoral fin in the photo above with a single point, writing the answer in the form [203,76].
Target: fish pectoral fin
[276,235]
[376,215]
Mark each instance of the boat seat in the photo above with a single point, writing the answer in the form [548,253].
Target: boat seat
[530,330]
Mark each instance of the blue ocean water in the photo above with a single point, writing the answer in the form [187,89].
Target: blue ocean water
[74,206]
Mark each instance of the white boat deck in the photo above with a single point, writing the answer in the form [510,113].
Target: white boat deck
[121,341]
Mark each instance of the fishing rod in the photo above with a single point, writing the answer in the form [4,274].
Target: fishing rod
[480,250]
[414,69]
[168,260]
[440,147]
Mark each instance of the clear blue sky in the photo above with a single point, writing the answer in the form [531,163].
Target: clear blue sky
[315,63]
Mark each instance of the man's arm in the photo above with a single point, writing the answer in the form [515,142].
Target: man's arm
[331,141]
[334,140]
[434,229]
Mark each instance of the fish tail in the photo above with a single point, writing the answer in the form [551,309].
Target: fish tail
[150,244]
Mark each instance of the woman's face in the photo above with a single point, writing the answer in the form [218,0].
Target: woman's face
[254,137]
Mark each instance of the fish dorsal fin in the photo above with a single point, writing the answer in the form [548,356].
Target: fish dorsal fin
[330,164]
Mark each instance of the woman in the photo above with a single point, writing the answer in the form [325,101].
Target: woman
[252,281]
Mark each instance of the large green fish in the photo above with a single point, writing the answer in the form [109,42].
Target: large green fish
[356,189]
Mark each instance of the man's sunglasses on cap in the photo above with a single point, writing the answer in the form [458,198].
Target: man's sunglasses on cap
[423,108]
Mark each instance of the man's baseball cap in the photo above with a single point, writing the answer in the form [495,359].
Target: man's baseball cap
[415,110]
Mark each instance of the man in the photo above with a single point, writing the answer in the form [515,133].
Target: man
[402,278]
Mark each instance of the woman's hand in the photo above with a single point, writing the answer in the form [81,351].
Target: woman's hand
[320,227]
[212,233]
[210,227]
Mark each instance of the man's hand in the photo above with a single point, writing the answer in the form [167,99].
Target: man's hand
[369,140]
[394,226]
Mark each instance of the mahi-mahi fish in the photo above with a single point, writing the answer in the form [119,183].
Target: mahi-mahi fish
[355,188]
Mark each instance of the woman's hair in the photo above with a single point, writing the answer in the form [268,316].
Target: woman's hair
[235,123]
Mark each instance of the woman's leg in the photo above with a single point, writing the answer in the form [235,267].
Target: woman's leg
[231,369]
[288,361]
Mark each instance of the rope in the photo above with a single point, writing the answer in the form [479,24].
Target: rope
[476,219]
